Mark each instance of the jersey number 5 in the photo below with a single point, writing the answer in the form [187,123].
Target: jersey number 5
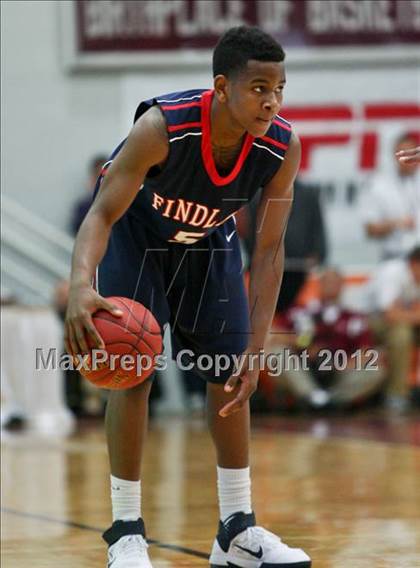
[186,237]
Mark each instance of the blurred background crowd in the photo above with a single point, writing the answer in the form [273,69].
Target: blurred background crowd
[73,74]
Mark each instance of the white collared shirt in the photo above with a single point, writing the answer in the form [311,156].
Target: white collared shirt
[394,281]
[394,197]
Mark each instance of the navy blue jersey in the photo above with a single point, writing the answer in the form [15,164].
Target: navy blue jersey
[176,250]
[187,199]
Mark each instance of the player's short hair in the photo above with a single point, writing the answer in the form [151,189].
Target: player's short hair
[414,254]
[238,45]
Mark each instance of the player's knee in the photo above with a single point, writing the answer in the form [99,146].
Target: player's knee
[140,391]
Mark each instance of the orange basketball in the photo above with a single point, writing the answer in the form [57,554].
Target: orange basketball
[132,343]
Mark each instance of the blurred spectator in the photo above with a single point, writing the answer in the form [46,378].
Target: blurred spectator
[31,391]
[12,414]
[305,243]
[305,239]
[82,205]
[391,208]
[395,295]
[339,375]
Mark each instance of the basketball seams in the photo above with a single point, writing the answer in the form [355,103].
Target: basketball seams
[142,324]
[131,312]
[117,326]
[146,313]
[124,337]
[113,320]
[148,346]
[142,338]
[137,335]
[145,328]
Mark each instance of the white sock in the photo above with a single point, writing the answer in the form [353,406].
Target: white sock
[234,489]
[126,499]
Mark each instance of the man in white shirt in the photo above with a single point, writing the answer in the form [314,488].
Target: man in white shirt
[391,209]
[327,328]
[396,300]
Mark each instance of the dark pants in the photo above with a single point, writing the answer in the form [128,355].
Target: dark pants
[291,285]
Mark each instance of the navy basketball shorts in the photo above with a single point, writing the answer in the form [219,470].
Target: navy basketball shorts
[198,289]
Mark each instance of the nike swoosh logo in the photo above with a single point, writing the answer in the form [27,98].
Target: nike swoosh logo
[229,237]
[257,554]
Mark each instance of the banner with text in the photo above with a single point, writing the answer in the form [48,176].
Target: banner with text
[109,26]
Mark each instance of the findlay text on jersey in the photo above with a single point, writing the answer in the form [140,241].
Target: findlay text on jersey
[189,212]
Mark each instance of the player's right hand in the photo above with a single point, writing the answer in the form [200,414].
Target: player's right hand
[80,334]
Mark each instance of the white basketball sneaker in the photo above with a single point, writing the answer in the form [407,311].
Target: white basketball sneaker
[241,544]
[127,545]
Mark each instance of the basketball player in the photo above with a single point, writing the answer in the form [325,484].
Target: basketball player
[411,156]
[162,231]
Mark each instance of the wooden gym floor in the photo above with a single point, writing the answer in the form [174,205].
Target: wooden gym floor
[346,489]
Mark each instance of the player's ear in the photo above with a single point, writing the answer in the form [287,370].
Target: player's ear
[220,88]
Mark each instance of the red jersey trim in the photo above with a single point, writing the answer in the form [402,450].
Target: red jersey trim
[183,126]
[274,142]
[183,105]
[206,151]
[282,125]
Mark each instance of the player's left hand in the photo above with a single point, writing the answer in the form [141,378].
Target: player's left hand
[245,383]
